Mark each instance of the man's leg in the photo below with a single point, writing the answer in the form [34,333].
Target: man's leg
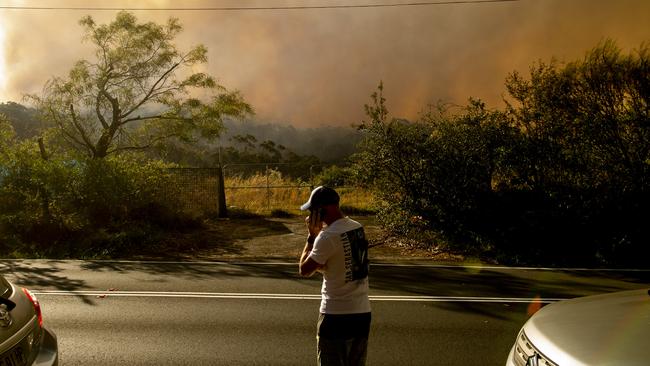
[357,351]
[332,352]
[343,339]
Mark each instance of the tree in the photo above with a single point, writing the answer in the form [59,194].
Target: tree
[431,173]
[587,123]
[584,163]
[137,92]
[24,120]
[7,135]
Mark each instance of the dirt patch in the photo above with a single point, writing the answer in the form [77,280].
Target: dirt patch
[275,239]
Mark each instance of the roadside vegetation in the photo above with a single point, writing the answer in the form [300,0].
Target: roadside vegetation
[271,193]
[559,176]
[90,171]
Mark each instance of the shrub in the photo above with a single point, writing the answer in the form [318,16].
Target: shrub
[67,206]
[335,176]
[560,177]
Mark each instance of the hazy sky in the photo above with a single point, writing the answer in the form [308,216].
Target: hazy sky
[318,67]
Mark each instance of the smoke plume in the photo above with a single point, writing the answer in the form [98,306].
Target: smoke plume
[318,67]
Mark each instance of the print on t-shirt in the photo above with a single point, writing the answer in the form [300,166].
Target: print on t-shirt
[355,249]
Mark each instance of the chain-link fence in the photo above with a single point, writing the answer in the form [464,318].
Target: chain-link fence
[271,187]
[267,187]
[196,189]
[263,188]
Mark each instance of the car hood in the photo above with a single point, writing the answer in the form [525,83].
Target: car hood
[611,329]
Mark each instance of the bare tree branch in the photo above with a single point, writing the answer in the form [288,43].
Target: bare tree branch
[81,130]
[139,118]
[147,97]
[151,143]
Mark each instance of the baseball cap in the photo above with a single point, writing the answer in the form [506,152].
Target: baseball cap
[321,196]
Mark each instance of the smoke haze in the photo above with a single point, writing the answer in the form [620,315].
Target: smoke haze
[318,67]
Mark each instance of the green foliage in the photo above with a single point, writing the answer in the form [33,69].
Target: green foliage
[336,176]
[432,172]
[7,135]
[248,156]
[69,206]
[582,162]
[245,156]
[132,96]
[24,120]
[109,190]
[586,123]
[560,176]
[329,144]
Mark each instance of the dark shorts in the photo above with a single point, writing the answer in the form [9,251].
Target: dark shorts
[343,339]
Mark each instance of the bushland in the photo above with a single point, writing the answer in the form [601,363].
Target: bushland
[560,176]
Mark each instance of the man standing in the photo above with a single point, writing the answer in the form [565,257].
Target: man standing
[337,247]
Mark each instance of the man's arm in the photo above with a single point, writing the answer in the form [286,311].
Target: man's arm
[307,265]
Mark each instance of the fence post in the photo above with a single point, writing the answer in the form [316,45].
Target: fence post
[222,210]
[268,189]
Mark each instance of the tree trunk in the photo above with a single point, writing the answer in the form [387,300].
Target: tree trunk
[45,199]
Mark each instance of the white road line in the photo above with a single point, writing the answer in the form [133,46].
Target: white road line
[376,264]
[263,296]
[478,266]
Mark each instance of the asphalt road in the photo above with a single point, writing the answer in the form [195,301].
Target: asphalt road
[135,313]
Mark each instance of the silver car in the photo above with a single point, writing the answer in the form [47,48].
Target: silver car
[611,329]
[23,338]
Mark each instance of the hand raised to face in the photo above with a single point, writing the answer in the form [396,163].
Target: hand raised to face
[314,223]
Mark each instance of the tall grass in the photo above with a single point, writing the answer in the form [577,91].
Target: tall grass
[266,193]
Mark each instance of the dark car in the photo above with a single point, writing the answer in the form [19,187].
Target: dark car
[23,338]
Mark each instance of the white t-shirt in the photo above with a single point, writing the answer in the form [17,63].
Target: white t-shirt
[342,248]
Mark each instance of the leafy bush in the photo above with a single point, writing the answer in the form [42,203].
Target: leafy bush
[561,176]
[67,206]
[118,188]
[431,174]
[335,176]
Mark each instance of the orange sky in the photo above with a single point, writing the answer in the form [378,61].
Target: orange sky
[318,67]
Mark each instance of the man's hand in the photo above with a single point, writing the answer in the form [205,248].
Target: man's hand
[314,223]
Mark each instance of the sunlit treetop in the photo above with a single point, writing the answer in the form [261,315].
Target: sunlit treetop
[137,92]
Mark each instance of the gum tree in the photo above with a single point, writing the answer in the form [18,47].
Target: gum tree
[586,123]
[137,92]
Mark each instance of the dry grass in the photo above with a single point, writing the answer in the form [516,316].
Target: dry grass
[263,194]
[269,194]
